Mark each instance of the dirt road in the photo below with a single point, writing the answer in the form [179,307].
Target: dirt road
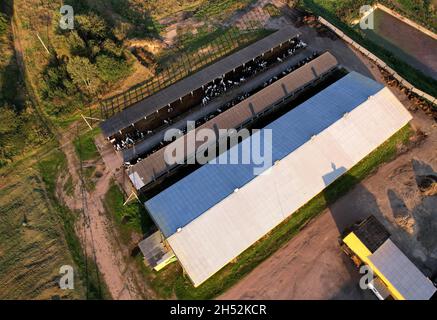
[312,266]
[97,232]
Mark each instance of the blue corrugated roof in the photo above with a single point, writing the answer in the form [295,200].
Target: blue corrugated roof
[188,198]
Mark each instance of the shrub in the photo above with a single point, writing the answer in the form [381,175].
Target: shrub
[92,26]
[111,69]
[3,24]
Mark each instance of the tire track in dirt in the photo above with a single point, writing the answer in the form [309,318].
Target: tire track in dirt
[96,231]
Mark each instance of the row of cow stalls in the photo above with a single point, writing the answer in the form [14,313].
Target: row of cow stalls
[135,155]
[154,172]
[147,147]
[133,134]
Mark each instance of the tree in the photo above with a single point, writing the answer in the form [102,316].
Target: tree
[84,74]
[94,48]
[110,47]
[76,43]
[122,30]
[3,24]
[93,26]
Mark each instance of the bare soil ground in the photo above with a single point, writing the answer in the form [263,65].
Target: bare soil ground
[171,31]
[255,13]
[97,232]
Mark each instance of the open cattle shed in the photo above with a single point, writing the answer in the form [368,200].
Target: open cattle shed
[185,87]
[218,211]
[154,166]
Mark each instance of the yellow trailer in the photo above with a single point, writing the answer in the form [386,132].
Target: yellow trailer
[369,243]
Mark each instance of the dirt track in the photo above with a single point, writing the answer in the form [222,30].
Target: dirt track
[97,233]
[311,266]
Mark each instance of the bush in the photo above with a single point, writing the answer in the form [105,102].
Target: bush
[112,48]
[111,69]
[77,44]
[92,26]
[59,93]
[3,24]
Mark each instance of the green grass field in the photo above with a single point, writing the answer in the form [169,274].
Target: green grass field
[331,11]
[37,235]
[128,218]
[31,254]
[85,146]
[33,244]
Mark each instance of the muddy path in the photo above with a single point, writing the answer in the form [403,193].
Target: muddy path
[97,232]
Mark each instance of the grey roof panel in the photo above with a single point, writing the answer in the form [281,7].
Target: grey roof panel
[402,273]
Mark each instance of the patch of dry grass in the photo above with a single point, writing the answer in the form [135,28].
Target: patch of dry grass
[32,243]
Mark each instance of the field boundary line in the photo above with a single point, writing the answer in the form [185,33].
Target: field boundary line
[406,20]
[379,62]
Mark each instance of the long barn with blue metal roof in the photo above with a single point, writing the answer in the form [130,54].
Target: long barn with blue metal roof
[218,211]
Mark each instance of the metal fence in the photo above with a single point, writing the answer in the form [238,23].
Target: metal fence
[185,64]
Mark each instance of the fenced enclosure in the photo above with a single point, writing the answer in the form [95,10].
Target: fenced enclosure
[182,65]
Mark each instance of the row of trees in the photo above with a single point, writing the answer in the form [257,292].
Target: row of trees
[20,128]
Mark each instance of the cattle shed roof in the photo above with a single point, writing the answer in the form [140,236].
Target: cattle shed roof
[190,197]
[312,146]
[155,165]
[183,87]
